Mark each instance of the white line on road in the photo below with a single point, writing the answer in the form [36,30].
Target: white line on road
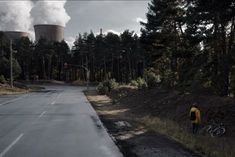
[11,145]
[55,99]
[53,103]
[42,114]
[13,100]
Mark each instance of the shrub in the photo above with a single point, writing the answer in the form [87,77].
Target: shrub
[113,84]
[107,86]
[134,83]
[142,84]
[152,79]
[2,79]
[102,89]
[110,84]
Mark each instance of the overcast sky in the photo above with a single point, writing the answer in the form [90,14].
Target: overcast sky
[108,15]
[78,16]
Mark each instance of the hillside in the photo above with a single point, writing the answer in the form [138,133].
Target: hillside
[175,106]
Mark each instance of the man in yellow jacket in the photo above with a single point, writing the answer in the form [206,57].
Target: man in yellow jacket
[195,117]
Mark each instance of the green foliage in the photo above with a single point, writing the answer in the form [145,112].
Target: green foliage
[194,57]
[142,84]
[106,86]
[152,79]
[134,83]
[102,89]
[4,67]
[113,84]
[2,79]
[16,68]
[109,56]
[110,84]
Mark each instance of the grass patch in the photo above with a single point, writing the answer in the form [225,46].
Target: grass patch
[8,90]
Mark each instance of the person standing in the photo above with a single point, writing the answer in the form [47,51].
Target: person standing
[195,117]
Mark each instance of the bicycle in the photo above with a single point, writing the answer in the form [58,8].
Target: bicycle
[214,129]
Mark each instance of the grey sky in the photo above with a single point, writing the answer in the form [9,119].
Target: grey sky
[83,15]
[108,15]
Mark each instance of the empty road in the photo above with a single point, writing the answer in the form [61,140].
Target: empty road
[55,122]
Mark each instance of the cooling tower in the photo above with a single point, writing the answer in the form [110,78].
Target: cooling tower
[14,35]
[49,32]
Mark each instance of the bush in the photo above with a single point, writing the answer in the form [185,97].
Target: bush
[102,89]
[113,84]
[142,84]
[2,79]
[110,84]
[107,86]
[134,83]
[152,79]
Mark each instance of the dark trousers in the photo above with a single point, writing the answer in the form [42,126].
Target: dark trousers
[195,128]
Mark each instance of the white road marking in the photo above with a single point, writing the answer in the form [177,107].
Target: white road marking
[53,103]
[57,97]
[13,100]
[42,114]
[11,145]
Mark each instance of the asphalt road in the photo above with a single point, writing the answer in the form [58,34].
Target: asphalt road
[55,122]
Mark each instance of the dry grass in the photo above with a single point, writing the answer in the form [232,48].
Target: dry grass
[5,90]
[206,145]
[98,99]
[79,83]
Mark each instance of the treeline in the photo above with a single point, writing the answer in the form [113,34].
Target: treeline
[185,44]
[33,61]
[190,43]
[109,56]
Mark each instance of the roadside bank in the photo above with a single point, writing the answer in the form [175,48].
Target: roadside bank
[133,132]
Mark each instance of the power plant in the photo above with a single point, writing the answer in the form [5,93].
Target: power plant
[14,35]
[49,32]
[54,33]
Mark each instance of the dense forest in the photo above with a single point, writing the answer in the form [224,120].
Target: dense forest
[185,44]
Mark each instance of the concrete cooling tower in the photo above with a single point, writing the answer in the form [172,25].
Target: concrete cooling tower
[49,32]
[14,35]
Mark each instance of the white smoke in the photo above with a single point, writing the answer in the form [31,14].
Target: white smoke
[50,12]
[21,15]
[15,15]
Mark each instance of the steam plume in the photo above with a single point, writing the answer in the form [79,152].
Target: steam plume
[50,12]
[15,15]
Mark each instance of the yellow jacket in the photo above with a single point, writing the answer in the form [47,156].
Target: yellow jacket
[198,115]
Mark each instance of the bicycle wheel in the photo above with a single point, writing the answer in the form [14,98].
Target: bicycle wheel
[209,129]
[204,130]
[217,132]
